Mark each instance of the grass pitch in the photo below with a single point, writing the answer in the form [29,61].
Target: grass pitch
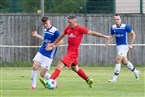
[16,82]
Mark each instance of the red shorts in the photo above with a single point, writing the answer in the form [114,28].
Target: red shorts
[70,60]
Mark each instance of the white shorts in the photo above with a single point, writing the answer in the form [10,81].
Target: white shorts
[122,50]
[44,61]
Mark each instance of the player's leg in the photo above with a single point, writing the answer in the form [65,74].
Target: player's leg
[82,74]
[34,74]
[121,52]
[39,59]
[44,76]
[117,68]
[57,71]
[44,73]
[45,67]
[67,60]
[131,67]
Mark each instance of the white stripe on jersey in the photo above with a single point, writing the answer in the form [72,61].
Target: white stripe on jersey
[122,26]
[126,38]
[53,51]
[49,33]
[53,29]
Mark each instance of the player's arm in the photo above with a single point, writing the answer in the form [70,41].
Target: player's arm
[98,34]
[111,33]
[132,35]
[56,43]
[34,33]
[58,40]
[59,43]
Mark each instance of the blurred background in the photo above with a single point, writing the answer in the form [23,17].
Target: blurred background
[73,6]
[18,18]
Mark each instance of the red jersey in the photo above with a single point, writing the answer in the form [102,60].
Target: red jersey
[74,38]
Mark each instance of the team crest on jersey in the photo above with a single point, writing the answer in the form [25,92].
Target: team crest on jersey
[72,35]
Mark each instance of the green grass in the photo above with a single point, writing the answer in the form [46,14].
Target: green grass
[16,82]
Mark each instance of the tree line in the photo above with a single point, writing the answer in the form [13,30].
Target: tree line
[57,6]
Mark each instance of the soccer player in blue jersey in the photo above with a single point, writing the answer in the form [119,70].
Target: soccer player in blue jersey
[120,31]
[44,58]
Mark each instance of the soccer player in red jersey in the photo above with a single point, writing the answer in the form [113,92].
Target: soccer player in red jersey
[75,33]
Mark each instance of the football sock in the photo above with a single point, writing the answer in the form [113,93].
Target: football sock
[34,78]
[131,67]
[82,74]
[116,71]
[55,74]
[47,76]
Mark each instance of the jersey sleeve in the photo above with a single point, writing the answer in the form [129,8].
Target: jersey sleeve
[111,31]
[57,34]
[65,30]
[83,30]
[128,28]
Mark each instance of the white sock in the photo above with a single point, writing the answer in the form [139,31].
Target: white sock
[116,71]
[131,67]
[47,76]
[34,78]
[115,77]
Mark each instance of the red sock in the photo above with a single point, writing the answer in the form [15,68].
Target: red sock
[55,74]
[82,74]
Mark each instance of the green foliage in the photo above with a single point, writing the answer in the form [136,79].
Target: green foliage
[51,6]
[99,6]
[30,5]
[63,6]
[4,6]
[11,6]
[58,6]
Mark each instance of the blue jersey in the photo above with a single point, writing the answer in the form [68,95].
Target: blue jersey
[50,35]
[120,33]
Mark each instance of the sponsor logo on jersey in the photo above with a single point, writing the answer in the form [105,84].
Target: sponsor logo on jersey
[47,41]
[72,36]
[118,35]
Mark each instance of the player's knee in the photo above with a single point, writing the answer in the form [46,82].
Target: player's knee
[118,60]
[60,65]
[125,62]
[75,68]
[35,67]
[42,73]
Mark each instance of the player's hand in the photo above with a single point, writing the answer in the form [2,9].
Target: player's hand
[34,33]
[106,45]
[108,37]
[130,46]
[108,42]
[49,47]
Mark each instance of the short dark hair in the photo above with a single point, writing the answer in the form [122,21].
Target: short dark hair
[44,19]
[71,16]
[116,14]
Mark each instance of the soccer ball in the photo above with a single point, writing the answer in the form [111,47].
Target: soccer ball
[51,84]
